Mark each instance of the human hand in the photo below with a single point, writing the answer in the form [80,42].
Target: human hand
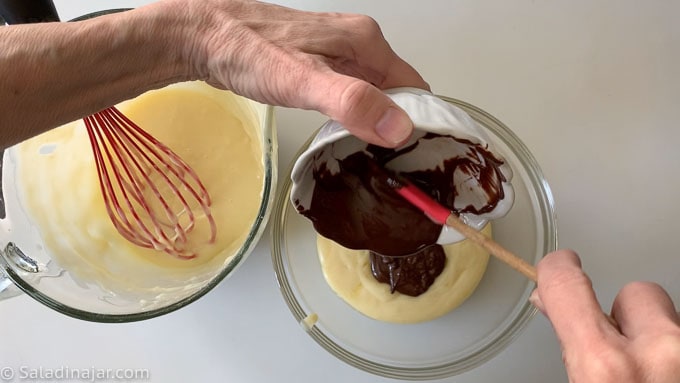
[644,348]
[331,62]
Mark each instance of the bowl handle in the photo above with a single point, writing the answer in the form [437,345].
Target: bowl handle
[14,260]
[28,11]
[7,288]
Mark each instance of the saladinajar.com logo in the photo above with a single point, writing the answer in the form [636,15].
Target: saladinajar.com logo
[65,373]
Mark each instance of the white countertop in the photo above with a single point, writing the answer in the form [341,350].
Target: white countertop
[592,88]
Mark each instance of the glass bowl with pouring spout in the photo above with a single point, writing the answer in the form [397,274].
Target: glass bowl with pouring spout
[29,265]
[490,319]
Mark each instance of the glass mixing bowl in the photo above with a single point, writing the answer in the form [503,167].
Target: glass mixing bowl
[26,263]
[473,333]
[64,281]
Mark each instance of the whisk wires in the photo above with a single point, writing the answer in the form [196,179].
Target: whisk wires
[154,198]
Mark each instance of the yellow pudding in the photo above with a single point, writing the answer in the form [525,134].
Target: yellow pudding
[214,131]
[348,273]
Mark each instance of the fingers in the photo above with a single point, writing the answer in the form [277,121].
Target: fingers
[644,308]
[361,108]
[356,51]
[361,43]
[333,63]
[569,300]
[352,44]
[303,81]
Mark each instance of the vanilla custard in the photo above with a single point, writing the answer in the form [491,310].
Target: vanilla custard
[214,131]
[348,273]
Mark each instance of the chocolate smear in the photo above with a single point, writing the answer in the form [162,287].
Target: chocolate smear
[411,275]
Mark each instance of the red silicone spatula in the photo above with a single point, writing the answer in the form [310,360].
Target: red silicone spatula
[443,216]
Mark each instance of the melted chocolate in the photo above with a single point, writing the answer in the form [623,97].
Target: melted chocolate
[411,275]
[482,168]
[356,207]
[359,210]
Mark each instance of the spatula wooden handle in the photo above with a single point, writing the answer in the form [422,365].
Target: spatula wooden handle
[444,216]
[492,247]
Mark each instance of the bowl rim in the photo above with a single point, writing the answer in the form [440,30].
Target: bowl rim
[514,328]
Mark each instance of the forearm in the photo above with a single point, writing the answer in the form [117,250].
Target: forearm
[54,73]
[334,63]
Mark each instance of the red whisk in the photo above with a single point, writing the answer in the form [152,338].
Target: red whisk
[154,199]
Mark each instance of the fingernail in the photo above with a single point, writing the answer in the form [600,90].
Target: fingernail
[394,126]
[535,300]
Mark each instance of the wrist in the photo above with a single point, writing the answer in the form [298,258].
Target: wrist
[74,69]
[151,37]
[181,29]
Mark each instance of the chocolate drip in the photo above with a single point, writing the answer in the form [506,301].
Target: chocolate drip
[356,207]
[411,275]
[481,168]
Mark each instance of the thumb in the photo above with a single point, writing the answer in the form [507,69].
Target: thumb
[569,300]
[362,109]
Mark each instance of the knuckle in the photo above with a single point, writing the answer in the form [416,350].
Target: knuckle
[609,363]
[355,99]
[365,25]
[563,279]
[659,357]
[664,351]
